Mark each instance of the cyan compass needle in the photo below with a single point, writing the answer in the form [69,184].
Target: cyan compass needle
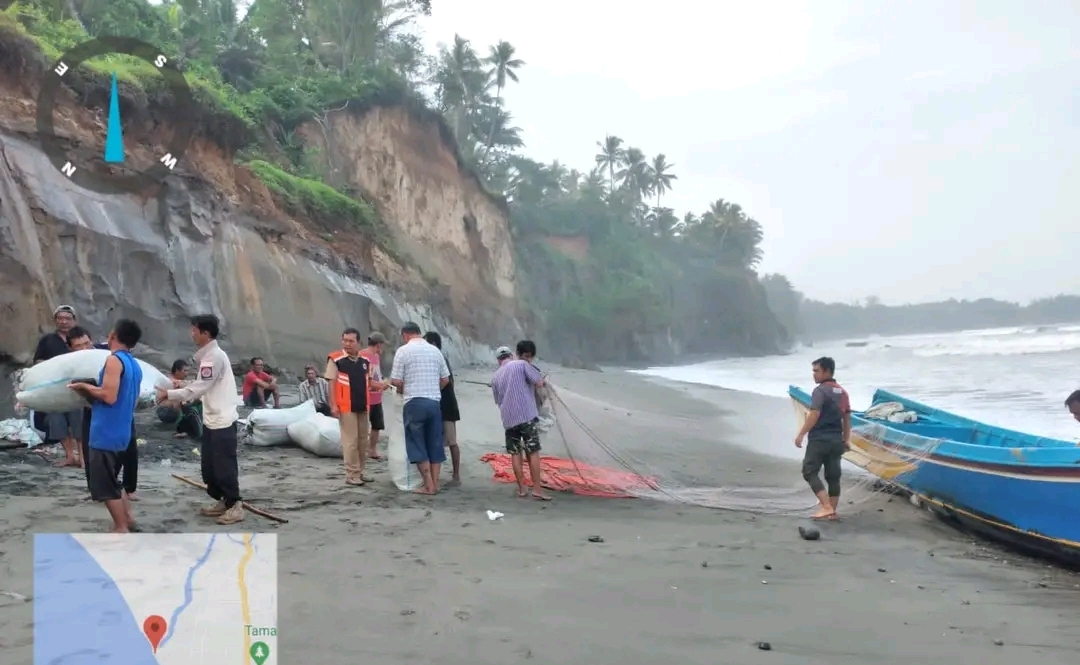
[114,136]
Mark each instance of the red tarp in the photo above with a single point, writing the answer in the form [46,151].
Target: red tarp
[562,475]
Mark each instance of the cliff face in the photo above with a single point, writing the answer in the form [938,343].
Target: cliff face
[444,218]
[215,241]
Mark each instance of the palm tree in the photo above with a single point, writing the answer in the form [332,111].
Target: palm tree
[460,80]
[659,177]
[633,175]
[503,66]
[610,156]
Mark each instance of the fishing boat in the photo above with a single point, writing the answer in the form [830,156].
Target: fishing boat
[1017,488]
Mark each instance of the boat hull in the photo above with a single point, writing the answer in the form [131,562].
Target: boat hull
[1029,508]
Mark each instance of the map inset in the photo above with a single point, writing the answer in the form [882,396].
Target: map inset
[155,599]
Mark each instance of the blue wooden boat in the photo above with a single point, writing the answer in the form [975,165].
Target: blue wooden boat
[1017,488]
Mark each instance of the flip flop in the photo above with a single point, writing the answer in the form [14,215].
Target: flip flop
[541,497]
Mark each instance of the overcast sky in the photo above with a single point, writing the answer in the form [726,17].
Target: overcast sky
[911,150]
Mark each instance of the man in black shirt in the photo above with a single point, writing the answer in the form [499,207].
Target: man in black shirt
[828,430]
[63,428]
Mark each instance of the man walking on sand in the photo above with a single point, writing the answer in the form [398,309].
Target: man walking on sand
[420,373]
[62,428]
[113,408]
[828,433]
[215,384]
[376,341]
[349,374]
[514,389]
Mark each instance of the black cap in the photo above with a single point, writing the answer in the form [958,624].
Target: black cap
[410,328]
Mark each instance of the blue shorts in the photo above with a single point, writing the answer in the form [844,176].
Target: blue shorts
[423,431]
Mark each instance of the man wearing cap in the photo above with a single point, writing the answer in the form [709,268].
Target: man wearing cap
[503,354]
[62,428]
[375,342]
[420,373]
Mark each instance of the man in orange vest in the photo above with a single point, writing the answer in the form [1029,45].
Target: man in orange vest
[350,374]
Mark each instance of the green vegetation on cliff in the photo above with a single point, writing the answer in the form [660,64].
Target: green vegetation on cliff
[648,280]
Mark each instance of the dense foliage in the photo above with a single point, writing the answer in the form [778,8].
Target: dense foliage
[819,320]
[653,280]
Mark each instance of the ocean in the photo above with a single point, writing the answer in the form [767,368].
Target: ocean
[1011,377]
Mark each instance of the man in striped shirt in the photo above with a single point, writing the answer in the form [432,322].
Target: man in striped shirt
[316,389]
[514,388]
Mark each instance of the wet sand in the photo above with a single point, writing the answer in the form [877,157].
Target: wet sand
[374,574]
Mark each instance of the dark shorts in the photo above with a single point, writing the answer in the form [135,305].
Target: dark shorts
[103,474]
[523,439]
[252,398]
[423,431]
[376,418]
[824,454]
[59,426]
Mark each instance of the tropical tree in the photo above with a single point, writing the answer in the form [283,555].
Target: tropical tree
[634,174]
[659,176]
[610,157]
[504,67]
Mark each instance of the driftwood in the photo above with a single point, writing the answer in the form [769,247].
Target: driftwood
[247,506]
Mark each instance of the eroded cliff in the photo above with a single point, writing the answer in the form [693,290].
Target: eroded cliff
[217,240]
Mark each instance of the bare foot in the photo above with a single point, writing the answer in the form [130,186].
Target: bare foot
[65,462]
[179,435]
[541,497]
[375,455]
[134,497]
[521,493]
[425,491]
[454,482]
[824,514]
[119,529]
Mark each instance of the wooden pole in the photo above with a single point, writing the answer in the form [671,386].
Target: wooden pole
[247,506]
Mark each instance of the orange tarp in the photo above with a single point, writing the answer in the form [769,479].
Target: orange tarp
[562,475]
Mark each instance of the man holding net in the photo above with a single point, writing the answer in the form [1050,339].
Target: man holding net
[828,431]
[514,388]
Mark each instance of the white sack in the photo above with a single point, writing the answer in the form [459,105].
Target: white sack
[43,387]
[19,431]
[319,435]
[269,427]
[406,476]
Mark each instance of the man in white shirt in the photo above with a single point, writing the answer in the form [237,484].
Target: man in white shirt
[419,373]
[215,384]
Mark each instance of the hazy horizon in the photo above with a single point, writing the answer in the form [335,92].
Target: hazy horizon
[885,154]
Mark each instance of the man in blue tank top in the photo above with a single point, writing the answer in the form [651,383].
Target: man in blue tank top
[112,407]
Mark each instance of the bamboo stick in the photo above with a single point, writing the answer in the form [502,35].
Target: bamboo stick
[247,506]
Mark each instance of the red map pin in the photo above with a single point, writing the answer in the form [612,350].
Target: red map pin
[154,627]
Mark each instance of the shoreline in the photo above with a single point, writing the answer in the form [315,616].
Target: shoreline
[433,579]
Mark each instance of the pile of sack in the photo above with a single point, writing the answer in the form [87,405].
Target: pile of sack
[321,436]
[301,425]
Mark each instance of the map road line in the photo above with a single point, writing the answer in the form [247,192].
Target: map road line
[245,609]
[188,594]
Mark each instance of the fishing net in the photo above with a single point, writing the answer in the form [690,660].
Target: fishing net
[647,454]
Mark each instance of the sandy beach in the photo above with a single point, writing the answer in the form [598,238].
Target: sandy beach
[376,575]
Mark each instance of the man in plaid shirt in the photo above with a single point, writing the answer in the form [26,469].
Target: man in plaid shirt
[420,373]
[316,389]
